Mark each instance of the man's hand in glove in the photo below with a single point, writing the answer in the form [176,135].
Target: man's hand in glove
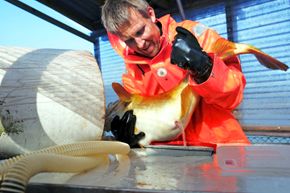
[123,129]
[187,54]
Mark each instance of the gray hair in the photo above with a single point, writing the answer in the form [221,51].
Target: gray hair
[115,13]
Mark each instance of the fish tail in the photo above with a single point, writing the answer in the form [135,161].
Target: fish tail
[267,60]
[225,49]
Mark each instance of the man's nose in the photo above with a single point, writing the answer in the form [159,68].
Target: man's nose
[140,42]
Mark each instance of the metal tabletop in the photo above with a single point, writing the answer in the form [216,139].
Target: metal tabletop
[232,169]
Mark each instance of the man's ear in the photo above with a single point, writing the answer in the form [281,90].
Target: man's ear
[151,13]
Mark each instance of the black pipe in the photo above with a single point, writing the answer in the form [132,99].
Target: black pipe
[181,10]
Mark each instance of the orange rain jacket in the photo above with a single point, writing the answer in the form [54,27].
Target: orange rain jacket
[212,121]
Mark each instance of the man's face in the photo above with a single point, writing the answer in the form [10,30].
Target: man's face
[141,34]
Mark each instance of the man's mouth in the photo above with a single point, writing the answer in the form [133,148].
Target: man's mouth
[149,48]
[146,47]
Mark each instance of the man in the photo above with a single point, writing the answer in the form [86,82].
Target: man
[159,54]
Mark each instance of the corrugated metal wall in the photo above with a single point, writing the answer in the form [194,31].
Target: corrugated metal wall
[263,23]
[112,67]
[213,16]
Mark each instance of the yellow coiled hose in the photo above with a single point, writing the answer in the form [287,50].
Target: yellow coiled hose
[86,148]
[17,171]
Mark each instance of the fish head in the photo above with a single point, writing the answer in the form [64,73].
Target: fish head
[117,108]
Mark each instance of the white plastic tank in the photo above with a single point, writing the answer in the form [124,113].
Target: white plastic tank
[48,97]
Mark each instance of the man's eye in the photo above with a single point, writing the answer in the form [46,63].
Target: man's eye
[140,32]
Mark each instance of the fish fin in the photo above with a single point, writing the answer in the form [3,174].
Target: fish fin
[111,106]
[265,59]
[121,92]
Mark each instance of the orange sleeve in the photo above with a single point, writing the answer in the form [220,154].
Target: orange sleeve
[225,85]
[205,36]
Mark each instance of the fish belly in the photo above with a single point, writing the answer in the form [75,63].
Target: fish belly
[157,120]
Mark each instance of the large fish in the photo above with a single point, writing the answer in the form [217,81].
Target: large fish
[161,117]
[157,116]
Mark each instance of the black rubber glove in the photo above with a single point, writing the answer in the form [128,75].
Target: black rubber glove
[123,129]
[187,54]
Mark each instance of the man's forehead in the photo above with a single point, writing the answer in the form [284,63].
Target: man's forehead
[132,26]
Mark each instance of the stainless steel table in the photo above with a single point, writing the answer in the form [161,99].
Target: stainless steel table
[232,169]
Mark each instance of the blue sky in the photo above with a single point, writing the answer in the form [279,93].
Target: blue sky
[20,28]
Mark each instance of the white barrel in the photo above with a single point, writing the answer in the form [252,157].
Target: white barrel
[48,97]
